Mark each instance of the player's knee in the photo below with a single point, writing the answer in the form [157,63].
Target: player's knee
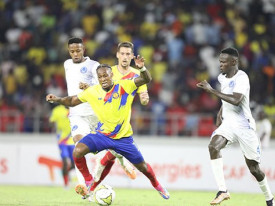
[77,138]
[213,149]
[142,167]
[78,153]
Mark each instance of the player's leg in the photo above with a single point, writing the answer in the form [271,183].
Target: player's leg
[90,143]
[217,143]
[105,172]
[127,147]
[126,165]
[107,159]
[147,170]
[80,126]
[65,163]
[251,148]
[255,170]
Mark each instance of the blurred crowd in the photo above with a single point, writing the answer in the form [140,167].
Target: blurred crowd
[180,40]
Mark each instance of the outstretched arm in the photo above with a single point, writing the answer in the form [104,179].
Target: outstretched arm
[145,76]
[234,98]
[69,101]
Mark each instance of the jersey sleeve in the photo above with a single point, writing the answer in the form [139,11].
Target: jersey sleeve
[241,84]
[128,84]
[82,96]
[142,88]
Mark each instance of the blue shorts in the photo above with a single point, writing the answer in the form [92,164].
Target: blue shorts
[124,146]
[66,151]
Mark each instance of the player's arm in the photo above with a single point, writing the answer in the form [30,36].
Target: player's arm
[83,85]
[219,117]
[145,76]
[234,98]
[69,101]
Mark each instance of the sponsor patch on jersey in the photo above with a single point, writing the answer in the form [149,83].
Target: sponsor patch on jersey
[74,127]
[83,70]
[231,84]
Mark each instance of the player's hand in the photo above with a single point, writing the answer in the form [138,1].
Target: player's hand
[51,98]
[83,85]
[144,98]
[139,61]
[205,85]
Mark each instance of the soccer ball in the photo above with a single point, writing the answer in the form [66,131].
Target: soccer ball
[104,195]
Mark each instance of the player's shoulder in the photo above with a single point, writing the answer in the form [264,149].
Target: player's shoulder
[68,62]
[242,75]
[92,63]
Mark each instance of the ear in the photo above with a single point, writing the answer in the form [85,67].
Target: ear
[117,55]
[234,61]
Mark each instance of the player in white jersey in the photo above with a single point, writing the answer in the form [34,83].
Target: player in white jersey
[235,124]
[264,128]
[80,69]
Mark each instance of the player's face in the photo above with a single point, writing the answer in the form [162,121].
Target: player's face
[225,63]
[124,56]
[76,52]
[105,76]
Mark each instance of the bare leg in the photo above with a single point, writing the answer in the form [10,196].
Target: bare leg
[216,144]
[255,170]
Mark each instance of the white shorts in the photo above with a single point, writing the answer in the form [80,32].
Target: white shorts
[83,124]
[246,137]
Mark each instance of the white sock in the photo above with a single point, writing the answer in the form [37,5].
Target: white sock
[118,156]
[217,168]
[265,188]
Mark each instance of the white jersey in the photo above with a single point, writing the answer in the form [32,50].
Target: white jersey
[80,72]
[238,115]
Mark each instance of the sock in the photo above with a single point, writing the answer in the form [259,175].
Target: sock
[265,188]
[105,172]
[217,168]
[82,166]
[151,176]
[79,176]
[66,180]
[107,157]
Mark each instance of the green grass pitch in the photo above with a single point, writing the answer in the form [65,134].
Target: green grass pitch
[47,196]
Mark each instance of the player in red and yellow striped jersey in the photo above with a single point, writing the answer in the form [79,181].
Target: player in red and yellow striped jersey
[110,102]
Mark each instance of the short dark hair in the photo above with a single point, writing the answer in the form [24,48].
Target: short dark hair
[126,44]
[75,40]
[104,65]
[231,51]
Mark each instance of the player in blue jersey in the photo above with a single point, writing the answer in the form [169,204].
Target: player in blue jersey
[112,103]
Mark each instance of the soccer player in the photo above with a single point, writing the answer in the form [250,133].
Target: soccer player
[112,103]
[80,69]
[123,70]
[59,117]
[264,128]
[235,124]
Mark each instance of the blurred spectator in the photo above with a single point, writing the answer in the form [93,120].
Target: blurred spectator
[179,40]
